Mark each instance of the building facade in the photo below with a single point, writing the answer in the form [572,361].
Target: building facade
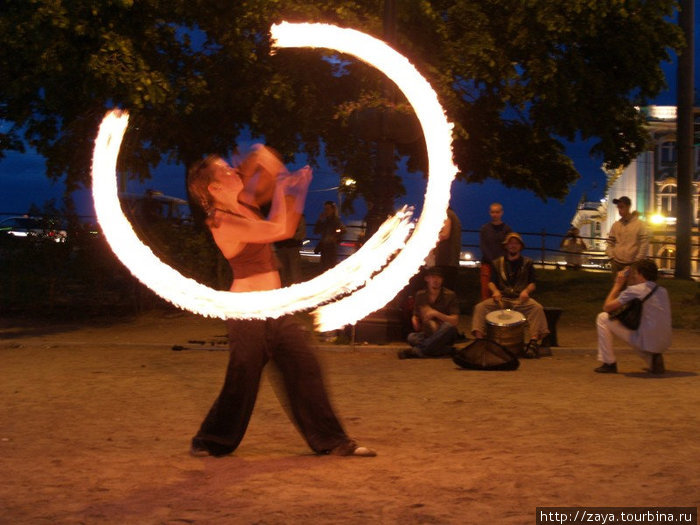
[650,182]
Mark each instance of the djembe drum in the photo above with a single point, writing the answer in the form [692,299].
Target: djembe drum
[507,328]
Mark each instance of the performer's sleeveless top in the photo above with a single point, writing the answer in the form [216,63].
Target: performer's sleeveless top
[254,258]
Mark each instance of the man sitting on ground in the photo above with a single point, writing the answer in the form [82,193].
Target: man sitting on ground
[654,333]
[434,320]
[512,282]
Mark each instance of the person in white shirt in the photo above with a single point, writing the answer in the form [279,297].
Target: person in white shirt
[653,337]
[628,240]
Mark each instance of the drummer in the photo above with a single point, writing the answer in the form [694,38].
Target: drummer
[512,282]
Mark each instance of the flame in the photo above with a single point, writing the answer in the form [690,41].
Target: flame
[438,137]
[191,295]
[354,276]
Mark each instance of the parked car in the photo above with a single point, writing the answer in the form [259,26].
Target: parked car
[35,227]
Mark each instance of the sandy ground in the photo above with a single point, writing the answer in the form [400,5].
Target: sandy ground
[95,423]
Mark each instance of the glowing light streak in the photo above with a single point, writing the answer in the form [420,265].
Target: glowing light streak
[354,272]
[191,295]
[438,137]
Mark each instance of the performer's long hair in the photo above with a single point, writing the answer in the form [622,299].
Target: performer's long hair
[199,176]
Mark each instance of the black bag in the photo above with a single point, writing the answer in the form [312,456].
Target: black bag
[630,314]
[484,354]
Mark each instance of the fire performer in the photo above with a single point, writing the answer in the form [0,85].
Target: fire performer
[244,236]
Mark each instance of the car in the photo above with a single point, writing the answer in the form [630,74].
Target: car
[27,226]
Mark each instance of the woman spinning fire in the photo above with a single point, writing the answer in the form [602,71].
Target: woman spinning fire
[230,198]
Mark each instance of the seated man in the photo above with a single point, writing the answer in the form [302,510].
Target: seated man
[434,320]
[654,333]
[512,282]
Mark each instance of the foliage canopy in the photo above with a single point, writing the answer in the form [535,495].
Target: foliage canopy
[516,78]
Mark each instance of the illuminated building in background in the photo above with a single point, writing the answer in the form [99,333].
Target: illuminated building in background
[650,181]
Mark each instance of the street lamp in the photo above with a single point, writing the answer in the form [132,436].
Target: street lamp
[346,185]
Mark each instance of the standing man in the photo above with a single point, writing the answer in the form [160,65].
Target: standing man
[628,240]
[435,318]
[448,249]
[512,282]
[654,333]
[331,230]
[574,246]
[491,237]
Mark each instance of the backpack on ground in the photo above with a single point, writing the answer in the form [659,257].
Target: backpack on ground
[484,354]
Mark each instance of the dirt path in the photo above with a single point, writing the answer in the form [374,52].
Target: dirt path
[95,424]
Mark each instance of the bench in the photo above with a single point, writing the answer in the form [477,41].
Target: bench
[552,314]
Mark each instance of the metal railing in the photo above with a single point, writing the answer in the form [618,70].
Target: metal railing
[544,248]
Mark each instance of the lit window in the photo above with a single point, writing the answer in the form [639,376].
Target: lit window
[667,200]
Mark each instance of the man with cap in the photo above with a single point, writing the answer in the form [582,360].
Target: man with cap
[628,240]
[512,282]
[434,320]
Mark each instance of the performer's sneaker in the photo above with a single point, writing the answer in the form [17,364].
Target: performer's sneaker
[201,449]
[199,452]
[352,449]
[606,368]
[363,452]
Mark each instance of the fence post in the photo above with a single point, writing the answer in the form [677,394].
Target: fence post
[544,247]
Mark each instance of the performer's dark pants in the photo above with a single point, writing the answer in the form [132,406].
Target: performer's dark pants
[252,344]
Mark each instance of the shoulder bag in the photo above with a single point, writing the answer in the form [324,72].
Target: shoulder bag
[630,313]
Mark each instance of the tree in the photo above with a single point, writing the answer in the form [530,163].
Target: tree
[528,74]
[516,78]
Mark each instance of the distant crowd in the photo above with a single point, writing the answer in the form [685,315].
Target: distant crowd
[508,282]
[507,312]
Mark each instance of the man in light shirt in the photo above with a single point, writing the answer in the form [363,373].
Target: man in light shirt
[628,240]
[653,337]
